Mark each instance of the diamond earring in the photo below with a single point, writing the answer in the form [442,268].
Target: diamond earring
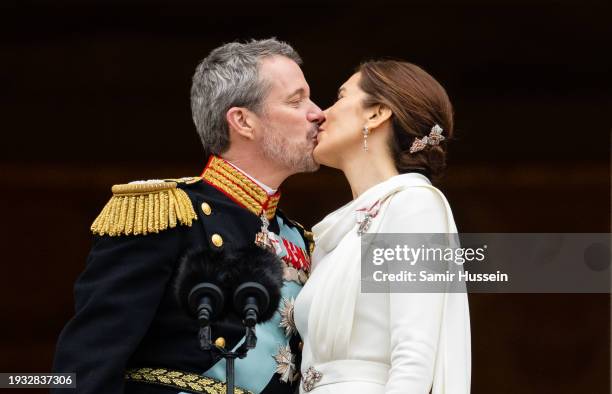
[366,131]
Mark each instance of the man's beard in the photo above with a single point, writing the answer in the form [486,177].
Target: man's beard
[294,155]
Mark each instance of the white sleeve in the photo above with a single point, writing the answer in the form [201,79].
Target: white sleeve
[420,323]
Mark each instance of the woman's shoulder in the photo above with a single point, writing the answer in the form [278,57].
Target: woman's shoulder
[418,195]
[421,208]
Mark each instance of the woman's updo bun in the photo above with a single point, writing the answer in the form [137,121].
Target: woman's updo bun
[418,102]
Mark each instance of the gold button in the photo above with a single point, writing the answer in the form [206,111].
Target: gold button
[301,345]
[220,342]
[206,209]
[217,240]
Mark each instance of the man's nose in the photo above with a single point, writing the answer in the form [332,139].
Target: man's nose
[315,114]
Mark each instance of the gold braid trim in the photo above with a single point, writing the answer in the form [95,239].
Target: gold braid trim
[240,179]
[233,190]
[272,205]
[144,208]
[188,180]
[273,201]
[240,187]
[183,381]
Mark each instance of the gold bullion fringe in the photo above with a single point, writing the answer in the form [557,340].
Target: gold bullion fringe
[184,381]
[140,209]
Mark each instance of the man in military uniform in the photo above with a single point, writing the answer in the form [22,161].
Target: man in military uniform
[252,110]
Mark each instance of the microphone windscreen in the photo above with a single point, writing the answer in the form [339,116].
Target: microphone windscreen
[254,264]
[228,269]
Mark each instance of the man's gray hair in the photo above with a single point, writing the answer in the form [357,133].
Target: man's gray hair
[229,77]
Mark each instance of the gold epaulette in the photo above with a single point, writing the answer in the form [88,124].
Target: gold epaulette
[145,207]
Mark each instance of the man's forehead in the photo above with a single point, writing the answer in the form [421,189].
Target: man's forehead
[284,74]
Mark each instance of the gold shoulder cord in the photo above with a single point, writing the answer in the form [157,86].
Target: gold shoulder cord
[143,208]
[310,238]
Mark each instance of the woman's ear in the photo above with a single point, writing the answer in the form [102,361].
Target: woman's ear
[239,121]
[377,115]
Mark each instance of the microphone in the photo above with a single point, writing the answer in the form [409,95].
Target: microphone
[207,300]
[208,280]
[250,298]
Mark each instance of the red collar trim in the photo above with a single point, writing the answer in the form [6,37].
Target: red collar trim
[235,184]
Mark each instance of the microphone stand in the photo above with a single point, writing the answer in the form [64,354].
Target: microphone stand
[249,297]
[231,356]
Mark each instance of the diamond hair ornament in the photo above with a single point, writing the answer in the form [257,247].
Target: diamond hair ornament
[434,138]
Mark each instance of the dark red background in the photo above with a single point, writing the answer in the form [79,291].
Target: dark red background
[98,93]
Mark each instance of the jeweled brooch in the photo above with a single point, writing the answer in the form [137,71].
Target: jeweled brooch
[286,313]
[365,215]
[310,378]
[285,364]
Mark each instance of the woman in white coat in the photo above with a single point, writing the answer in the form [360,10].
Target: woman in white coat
[387,133]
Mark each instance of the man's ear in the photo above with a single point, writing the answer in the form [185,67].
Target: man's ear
[377,115]
[239,120]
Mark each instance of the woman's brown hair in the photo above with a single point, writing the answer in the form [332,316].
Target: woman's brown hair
[417,102]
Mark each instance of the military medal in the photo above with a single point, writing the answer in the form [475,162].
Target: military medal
[265,239]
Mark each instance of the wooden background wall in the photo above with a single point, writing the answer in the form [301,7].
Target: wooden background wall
[98,93]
